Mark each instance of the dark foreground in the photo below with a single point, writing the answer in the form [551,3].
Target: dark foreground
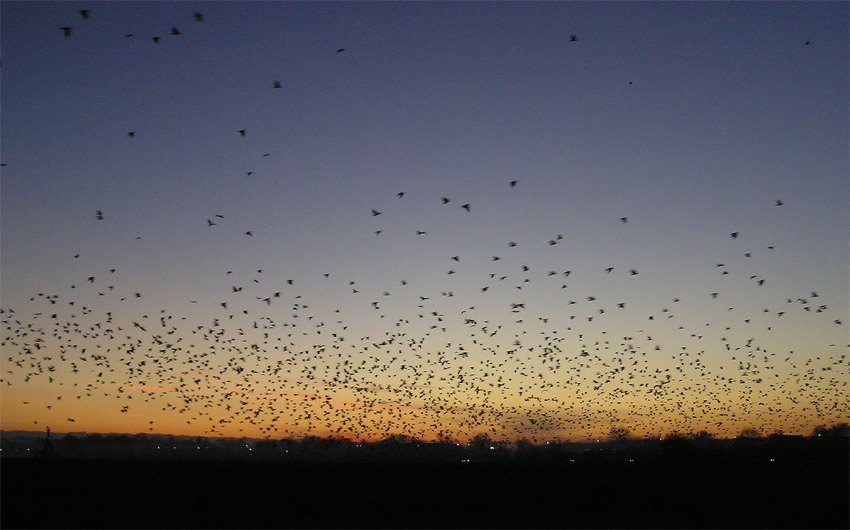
[702,493]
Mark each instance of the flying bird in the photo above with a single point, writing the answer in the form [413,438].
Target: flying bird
[277,84]
[513,183]
[66,30]
[84,13]
[175,31]
[241,132]
[465,207]
[340,50]
[199,16]
[375,212]
[99,215]
[573,38]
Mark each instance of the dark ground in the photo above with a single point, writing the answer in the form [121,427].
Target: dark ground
[680,493]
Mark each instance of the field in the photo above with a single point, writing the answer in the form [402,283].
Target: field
[587,492]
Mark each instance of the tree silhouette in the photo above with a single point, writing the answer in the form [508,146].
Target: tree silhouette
[619,434]
[46,450]
[839,430]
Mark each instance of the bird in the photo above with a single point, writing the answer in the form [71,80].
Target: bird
[375,212]
[241,132]
[175,31]
[340,50]
[66,30]
[210,223]
[513,183]
[734,235]
[778,202]
[400,194]
[131,134]
[277,84]
[155,40]
[465,207]
[99,215]
[199,17]
[624,219]
[573,38]
[249,233]
[445,200]
[84,13]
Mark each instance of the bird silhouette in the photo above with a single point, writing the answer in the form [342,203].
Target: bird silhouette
[66,31]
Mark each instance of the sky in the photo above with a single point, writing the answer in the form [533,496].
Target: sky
[534,220]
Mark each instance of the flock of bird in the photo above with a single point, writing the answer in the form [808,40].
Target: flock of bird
[276,360]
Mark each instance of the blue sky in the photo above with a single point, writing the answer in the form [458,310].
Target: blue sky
[690,119]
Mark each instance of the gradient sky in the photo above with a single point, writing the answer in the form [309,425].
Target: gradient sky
[690,119]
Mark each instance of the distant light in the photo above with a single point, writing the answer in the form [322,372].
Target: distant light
[631,459]
[772,460]
[491,447]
